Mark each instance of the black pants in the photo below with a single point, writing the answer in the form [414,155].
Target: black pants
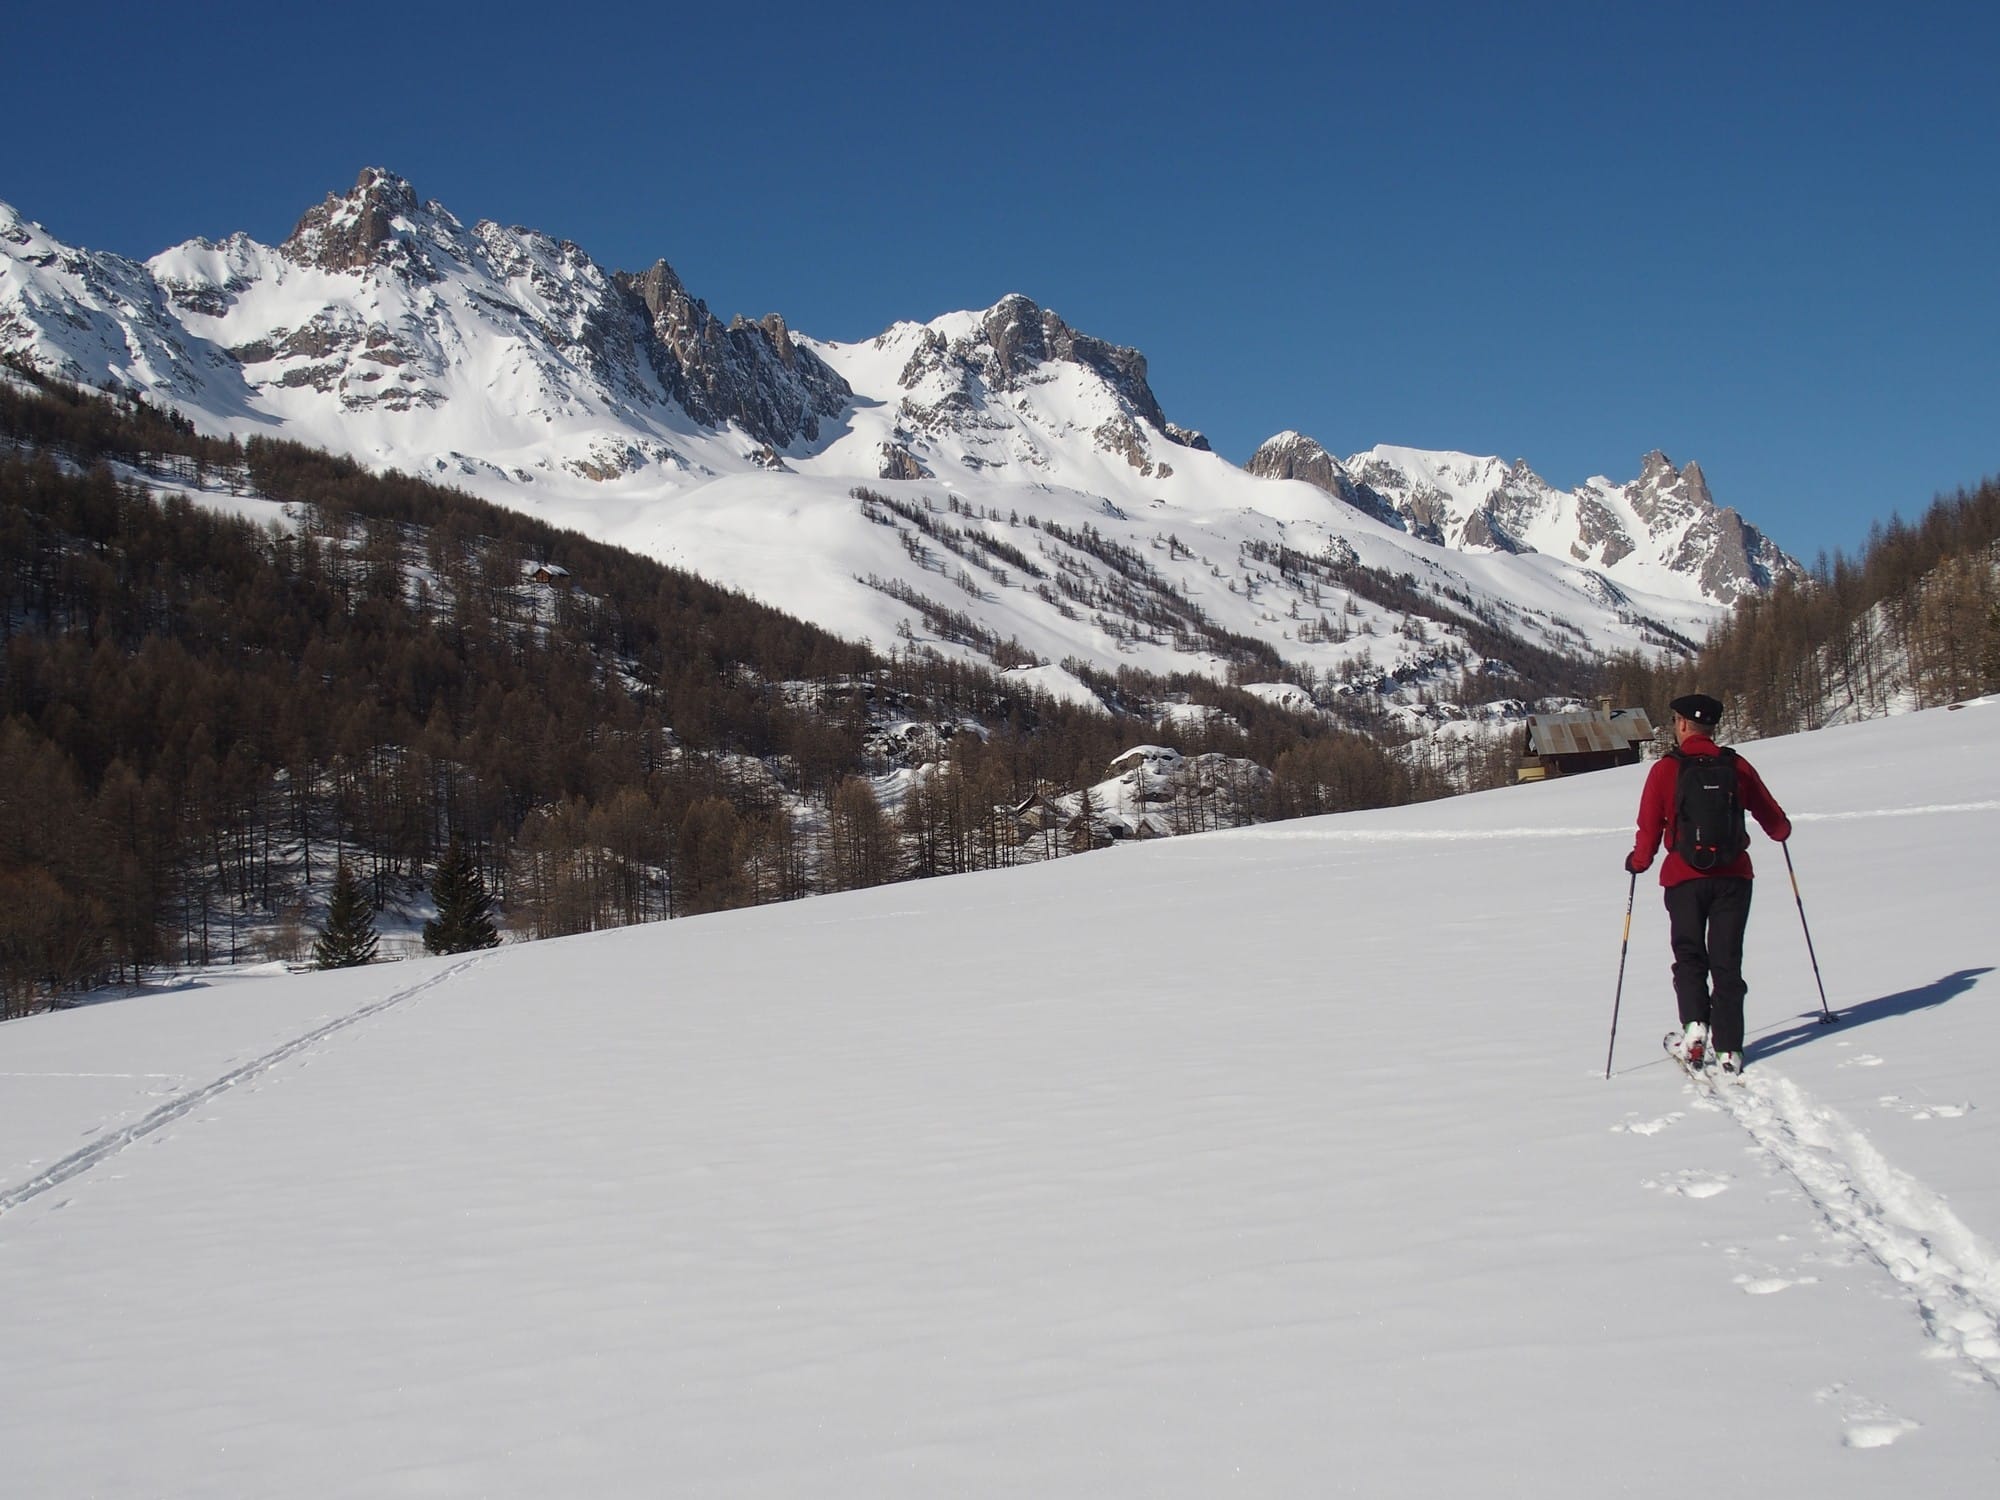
[1708,918]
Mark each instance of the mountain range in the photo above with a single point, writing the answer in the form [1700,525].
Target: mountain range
[991,484]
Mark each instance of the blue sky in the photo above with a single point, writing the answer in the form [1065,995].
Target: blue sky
[1760,236]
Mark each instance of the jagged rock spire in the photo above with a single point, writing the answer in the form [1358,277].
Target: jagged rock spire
[751,373]
[347,230]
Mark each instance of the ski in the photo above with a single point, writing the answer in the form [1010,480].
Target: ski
[1698,1071]
[1708,1070]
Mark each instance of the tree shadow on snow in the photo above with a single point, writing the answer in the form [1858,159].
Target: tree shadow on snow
[1810,1028]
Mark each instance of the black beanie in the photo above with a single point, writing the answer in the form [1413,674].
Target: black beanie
[1700,708]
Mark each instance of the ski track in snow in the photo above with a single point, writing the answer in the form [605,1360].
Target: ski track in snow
[1909,1230]
[1899,812]
[1271,834]
[78,1162]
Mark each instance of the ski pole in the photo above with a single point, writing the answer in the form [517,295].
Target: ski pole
[1826,1016]
[1625,943]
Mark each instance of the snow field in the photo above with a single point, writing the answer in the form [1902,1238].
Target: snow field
[1278,1160]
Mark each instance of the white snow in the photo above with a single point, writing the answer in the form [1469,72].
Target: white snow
[1055,682]
[1277,1162]
[1282,695]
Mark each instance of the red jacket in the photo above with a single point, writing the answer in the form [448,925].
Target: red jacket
[1656,816]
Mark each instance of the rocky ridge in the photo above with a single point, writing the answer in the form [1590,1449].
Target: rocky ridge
[955,383]
[1292,455]
[390,289]
[1666,515]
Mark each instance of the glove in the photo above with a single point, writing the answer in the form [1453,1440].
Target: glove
[1633,867]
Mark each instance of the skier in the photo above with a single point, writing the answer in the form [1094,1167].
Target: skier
[1695,799]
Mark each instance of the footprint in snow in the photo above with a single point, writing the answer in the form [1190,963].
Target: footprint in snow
[1875,1434]
[1925,1111]
[1765,1286]
[1865,1423]
[1689,1183]
[1863,1060]
[1633,1126]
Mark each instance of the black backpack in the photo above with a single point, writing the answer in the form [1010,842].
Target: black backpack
[1708,811]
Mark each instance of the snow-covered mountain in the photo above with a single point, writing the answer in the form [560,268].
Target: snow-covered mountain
[1278,1162]
[1030,499]
[1664,525]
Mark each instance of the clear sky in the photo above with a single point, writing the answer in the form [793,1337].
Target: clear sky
[1763,236]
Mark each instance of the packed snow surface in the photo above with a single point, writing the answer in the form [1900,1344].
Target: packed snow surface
[1275,1162]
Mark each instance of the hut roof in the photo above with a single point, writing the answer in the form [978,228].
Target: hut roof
[1585,733]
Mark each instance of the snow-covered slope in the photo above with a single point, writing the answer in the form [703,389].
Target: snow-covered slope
[509,363]
[1277,1162]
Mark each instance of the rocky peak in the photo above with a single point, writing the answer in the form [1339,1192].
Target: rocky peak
[1656,468]
[1729,555]
[674,313]
[1293,455]
[1663,493]
[751,373]
[776,334]
[1123,369]
[1015,338]
[354,230]
[1017,333]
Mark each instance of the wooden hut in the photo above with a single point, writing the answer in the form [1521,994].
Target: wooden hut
[1569,744]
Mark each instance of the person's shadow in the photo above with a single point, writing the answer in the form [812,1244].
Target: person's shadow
[1811,1027]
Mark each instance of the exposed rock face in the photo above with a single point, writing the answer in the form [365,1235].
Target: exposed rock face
[1014,346]
[1482,531]
[749,373]
[1729,555]
[1292,455]
[1506,518]
[642,337]
[1663,493]
[1666,516]
[98,318]
[363,227]
[1021,336]
[1435,503]
[898,462]
[1599,536]
[1120,435]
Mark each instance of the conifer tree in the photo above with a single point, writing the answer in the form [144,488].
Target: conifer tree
[464,910]
[1083,835]
[348,939]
